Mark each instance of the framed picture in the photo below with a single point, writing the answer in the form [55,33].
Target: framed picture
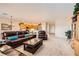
[6,26]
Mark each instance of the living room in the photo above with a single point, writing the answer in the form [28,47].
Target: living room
[16,19]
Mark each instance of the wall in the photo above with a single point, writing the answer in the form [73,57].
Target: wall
[43,26]
[15,23]
[52,28]
[61,27]
[58,27]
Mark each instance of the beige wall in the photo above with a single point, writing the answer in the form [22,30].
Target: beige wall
[58,27]
[15,24]
[52,28]
[61,26]
[7,21]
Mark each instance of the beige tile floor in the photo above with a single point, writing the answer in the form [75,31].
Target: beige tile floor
[1,54]
[54,46]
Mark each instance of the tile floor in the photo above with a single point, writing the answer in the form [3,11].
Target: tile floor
[54,46]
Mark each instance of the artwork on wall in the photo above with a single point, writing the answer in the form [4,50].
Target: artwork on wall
[6,26]
[29,26]
[22,26]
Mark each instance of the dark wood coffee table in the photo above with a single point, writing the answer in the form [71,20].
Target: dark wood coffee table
[32,45]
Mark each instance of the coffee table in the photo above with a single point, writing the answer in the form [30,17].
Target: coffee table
[32,45]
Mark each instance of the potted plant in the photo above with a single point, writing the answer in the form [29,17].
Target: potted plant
[68,34]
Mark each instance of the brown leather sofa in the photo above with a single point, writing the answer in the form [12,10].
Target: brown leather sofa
[19,41]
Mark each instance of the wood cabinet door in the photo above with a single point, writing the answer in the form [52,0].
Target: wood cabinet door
[76,47]
[77,31]
[76,38]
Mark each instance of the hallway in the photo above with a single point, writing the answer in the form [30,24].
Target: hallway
[55,47]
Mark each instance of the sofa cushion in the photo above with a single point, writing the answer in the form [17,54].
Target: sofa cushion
[12,37]
[19,39]
[21,36]
[26,35]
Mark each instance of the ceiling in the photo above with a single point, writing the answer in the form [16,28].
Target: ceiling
[37,12]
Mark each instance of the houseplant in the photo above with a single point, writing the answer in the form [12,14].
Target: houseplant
[68,34]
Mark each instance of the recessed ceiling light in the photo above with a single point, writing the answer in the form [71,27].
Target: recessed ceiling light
[3,14]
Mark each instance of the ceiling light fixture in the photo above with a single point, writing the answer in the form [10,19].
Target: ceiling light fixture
[3,14]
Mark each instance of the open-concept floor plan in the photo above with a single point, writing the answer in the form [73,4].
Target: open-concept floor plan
[41,29]
[52,46]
